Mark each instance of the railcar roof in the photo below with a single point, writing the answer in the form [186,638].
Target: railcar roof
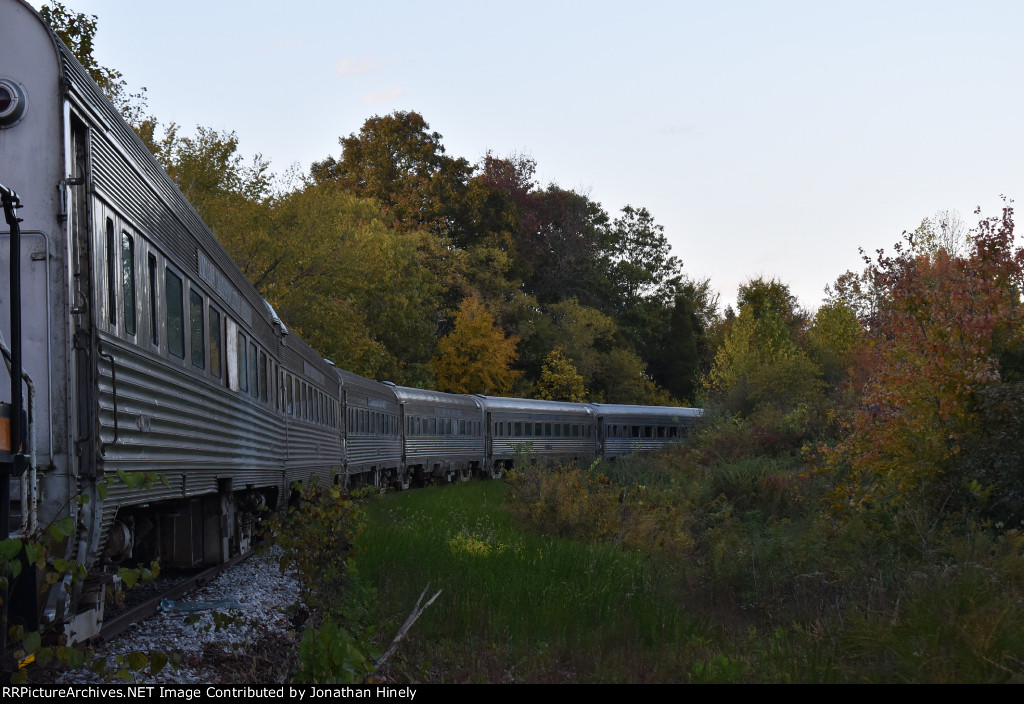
[351,380]
[407,393]
[627,411]
[534,405]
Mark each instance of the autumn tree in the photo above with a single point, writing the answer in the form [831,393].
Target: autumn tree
[559,380]
[476,357]
[561,246]
[943,342]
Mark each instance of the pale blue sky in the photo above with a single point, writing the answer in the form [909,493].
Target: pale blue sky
[769,138]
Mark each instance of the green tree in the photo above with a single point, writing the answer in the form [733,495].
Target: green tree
[399,162]
[764,298]
[212,175]
[559,380]
[759,365]
[680,359]
[834,338]
[476,357]
[78,32]
[351,285]
[642,266]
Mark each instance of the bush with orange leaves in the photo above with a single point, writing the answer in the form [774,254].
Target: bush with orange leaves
[944,332]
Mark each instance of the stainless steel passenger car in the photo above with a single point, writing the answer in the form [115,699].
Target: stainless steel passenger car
[623,429]
[552,430]
[147,349]
[147,352]
[373,430]
[443,436]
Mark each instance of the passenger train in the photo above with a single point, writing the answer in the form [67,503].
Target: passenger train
[146,350]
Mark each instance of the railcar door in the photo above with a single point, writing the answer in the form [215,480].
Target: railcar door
[83,310]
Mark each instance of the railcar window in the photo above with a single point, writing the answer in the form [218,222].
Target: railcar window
[175,314]
[529,430]
[215,342]
[254,387]
[575,431]
[558,430]
[111,275]
[291,398]
[282,395]
[128,281]
[661,431]
[243,368]
[433,426]
[518,430]
[264,391]
[195,311]
[547,430]
[154,328]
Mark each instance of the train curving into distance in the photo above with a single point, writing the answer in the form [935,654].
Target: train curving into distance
[146,350]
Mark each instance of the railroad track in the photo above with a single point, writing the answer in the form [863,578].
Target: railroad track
[125,619]
[262,628]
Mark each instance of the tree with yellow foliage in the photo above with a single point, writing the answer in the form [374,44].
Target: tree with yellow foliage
[476,357]
[559,380]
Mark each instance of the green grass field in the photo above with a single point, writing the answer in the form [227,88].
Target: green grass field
[516,606]
[760,590]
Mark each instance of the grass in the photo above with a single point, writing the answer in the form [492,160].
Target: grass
[566,575]
[516,606]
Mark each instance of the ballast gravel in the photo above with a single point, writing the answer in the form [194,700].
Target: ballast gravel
[219,648]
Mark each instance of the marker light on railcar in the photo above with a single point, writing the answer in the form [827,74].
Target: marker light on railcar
[12,102]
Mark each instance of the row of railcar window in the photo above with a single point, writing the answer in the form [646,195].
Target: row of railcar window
[420,425]
[642,431]
[304,401]
[363,422]
[519,429]
[211,340]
